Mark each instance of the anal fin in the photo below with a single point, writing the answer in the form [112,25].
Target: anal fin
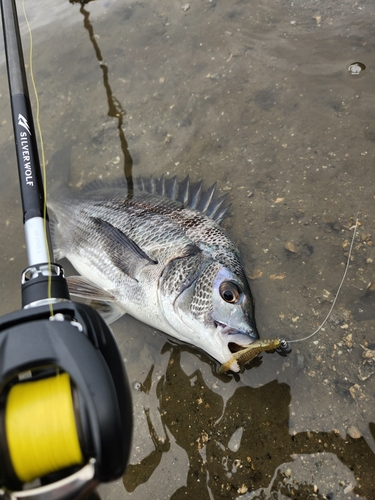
[110,311]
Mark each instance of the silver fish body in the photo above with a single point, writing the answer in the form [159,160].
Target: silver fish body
[159,254]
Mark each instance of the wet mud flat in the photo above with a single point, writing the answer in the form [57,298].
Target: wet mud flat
[258,97]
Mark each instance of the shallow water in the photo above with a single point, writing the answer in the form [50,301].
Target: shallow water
[257,96]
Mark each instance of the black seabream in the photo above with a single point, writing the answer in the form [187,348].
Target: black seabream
[159,254]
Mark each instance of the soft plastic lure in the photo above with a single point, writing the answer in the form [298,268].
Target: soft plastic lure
[244,356]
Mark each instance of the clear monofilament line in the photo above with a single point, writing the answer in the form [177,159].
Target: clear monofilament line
[338,290]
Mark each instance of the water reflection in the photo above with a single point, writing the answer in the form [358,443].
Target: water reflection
[115,108]
[237,448]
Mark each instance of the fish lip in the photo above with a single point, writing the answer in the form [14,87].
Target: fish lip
[230,330]
[238,343]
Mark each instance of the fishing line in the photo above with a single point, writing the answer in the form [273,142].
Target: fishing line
[40,445]
[43,162]
[338,290]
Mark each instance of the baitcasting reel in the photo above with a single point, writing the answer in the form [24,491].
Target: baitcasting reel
[65,404]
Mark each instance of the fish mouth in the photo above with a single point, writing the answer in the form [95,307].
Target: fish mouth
[237,339]
[233,347]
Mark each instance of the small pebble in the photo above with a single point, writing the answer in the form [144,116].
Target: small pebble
[291,247]
[356,68]
[288,472]
[348,489]
[354,432]
[242,489]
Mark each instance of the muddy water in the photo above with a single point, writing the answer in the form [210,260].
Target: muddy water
[258,96]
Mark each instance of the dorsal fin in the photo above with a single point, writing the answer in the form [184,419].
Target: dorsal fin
[220,214]
[206,199]
[189,194]
[196,194]
[215,205]
[171,188]
[183,191]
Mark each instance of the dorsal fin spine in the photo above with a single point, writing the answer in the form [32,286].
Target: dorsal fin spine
[188,194]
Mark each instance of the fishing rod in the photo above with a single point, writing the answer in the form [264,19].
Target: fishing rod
[65,405]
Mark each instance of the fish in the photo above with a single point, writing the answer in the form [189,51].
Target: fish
[157,252]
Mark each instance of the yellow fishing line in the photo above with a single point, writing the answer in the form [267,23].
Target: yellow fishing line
[43,162]
[40,427]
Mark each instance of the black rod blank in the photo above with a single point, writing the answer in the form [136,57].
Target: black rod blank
[30,177]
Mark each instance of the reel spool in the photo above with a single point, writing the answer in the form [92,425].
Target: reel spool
[65,406]
[41,428]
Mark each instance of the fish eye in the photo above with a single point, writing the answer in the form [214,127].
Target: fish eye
[230,292]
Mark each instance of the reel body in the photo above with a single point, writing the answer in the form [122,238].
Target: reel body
[68,364]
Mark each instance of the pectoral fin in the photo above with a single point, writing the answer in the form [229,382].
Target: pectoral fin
[122,250]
